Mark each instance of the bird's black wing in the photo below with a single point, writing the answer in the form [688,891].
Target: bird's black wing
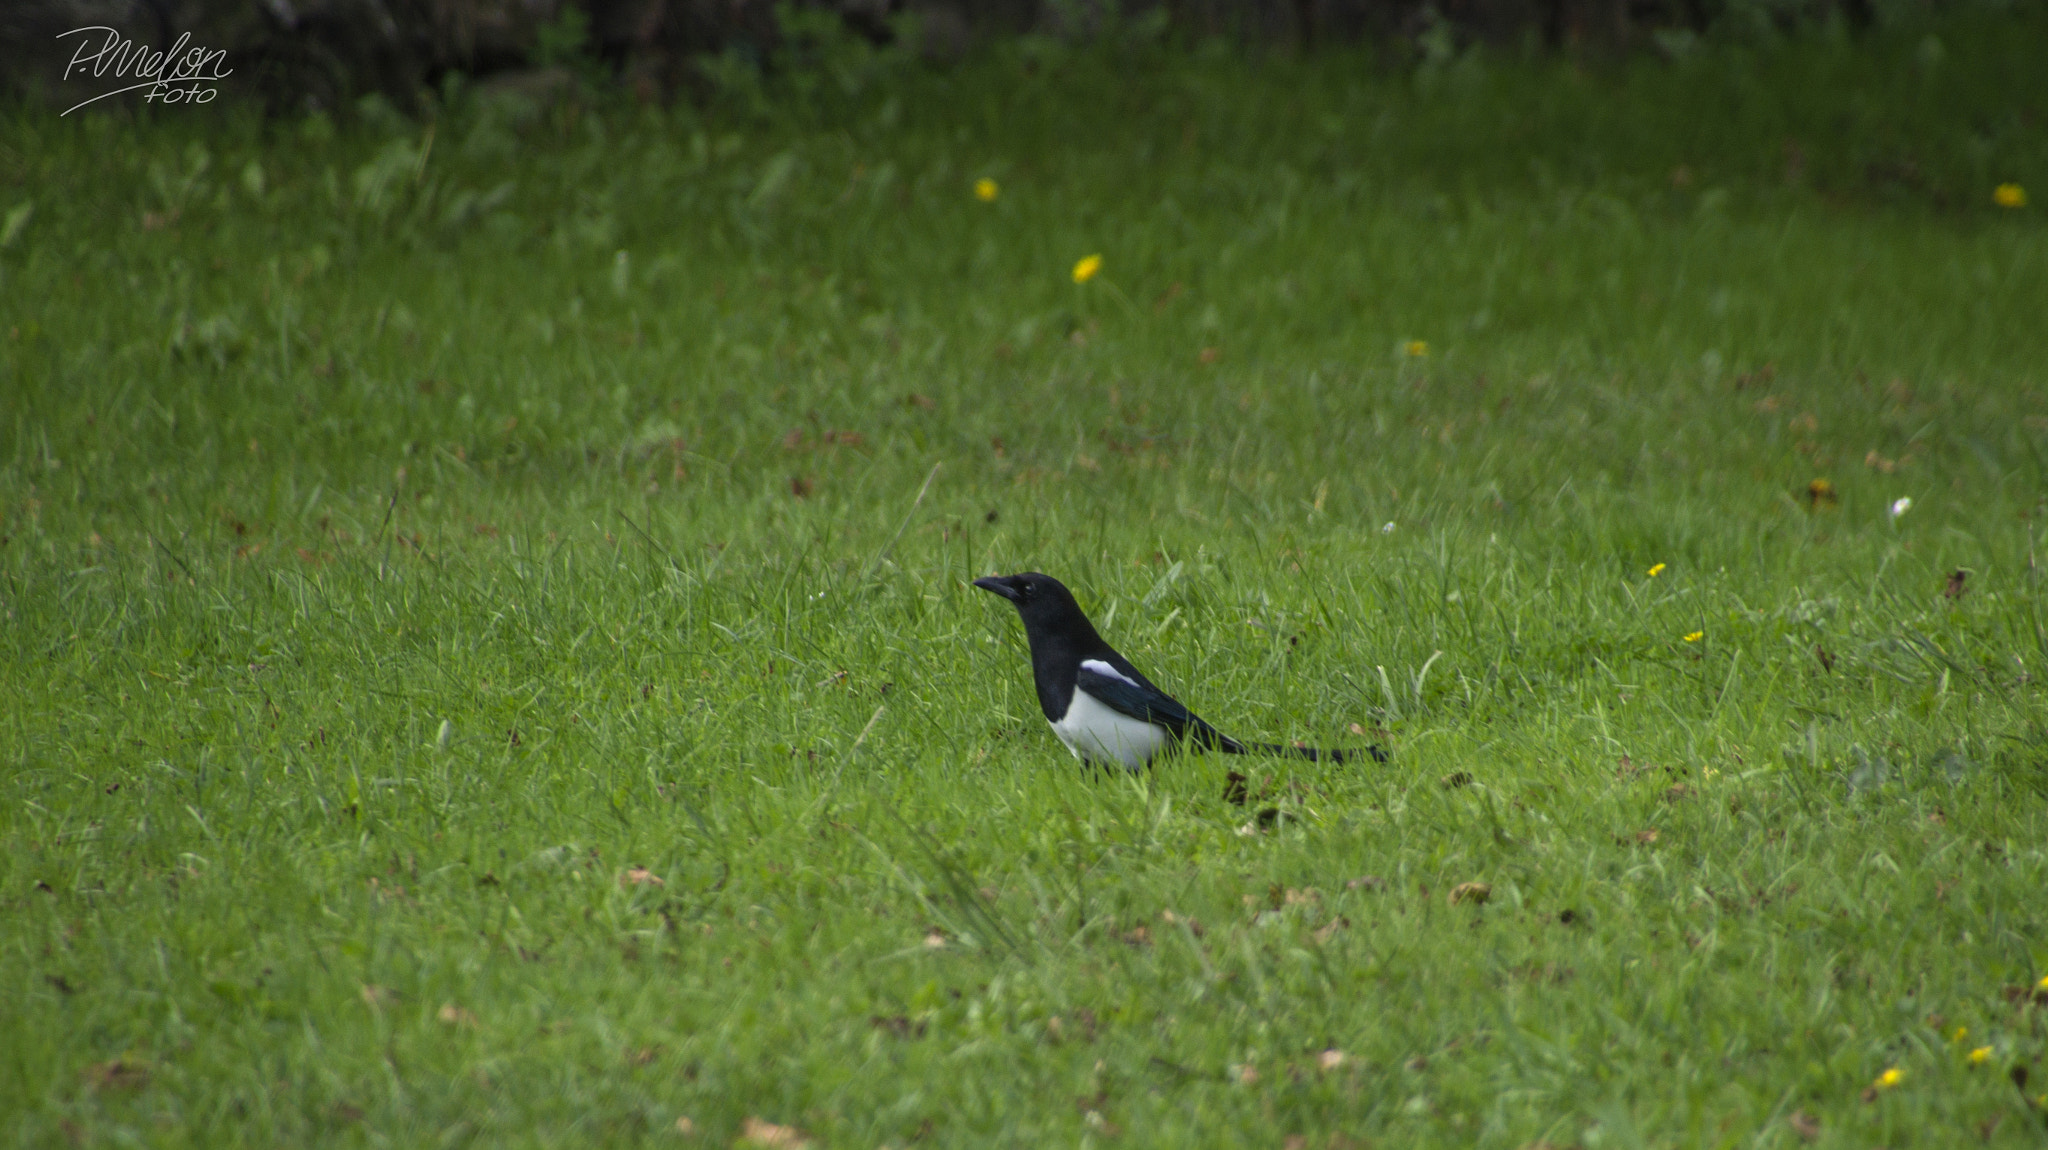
[1132,695]
[1122,688]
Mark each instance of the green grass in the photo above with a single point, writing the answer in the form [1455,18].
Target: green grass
[409,533]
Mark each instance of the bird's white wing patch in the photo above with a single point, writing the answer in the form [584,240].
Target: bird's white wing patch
[1106,671]
[1099,734]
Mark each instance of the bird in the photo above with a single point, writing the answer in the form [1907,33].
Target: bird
[1099,705]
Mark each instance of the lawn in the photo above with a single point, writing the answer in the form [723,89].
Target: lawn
[488,656]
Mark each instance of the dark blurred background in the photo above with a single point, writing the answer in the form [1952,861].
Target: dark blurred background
[308,55]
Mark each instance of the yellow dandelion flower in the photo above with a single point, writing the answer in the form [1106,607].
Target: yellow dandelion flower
[1980,1056]
[1961,1033]
[2009,196]
[1087,267]
[1696,636]
[1416,349]
[1656,570]
[986,190]
[1890,1078]
[2043,984]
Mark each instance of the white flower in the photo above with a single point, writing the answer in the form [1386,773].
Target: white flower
[1901,505]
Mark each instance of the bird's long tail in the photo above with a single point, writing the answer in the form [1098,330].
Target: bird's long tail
[1312,754]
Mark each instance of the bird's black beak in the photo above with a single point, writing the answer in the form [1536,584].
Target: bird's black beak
[997,585]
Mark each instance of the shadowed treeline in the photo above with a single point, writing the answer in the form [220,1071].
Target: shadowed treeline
[318,54]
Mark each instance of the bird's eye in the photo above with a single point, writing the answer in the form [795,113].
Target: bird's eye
[1024,590]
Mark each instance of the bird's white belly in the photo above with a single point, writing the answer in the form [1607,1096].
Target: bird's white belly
[1097,734]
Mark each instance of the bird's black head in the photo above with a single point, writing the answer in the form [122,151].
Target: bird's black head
[1041,599]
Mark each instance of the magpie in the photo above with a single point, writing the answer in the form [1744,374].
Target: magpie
[1098,704]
